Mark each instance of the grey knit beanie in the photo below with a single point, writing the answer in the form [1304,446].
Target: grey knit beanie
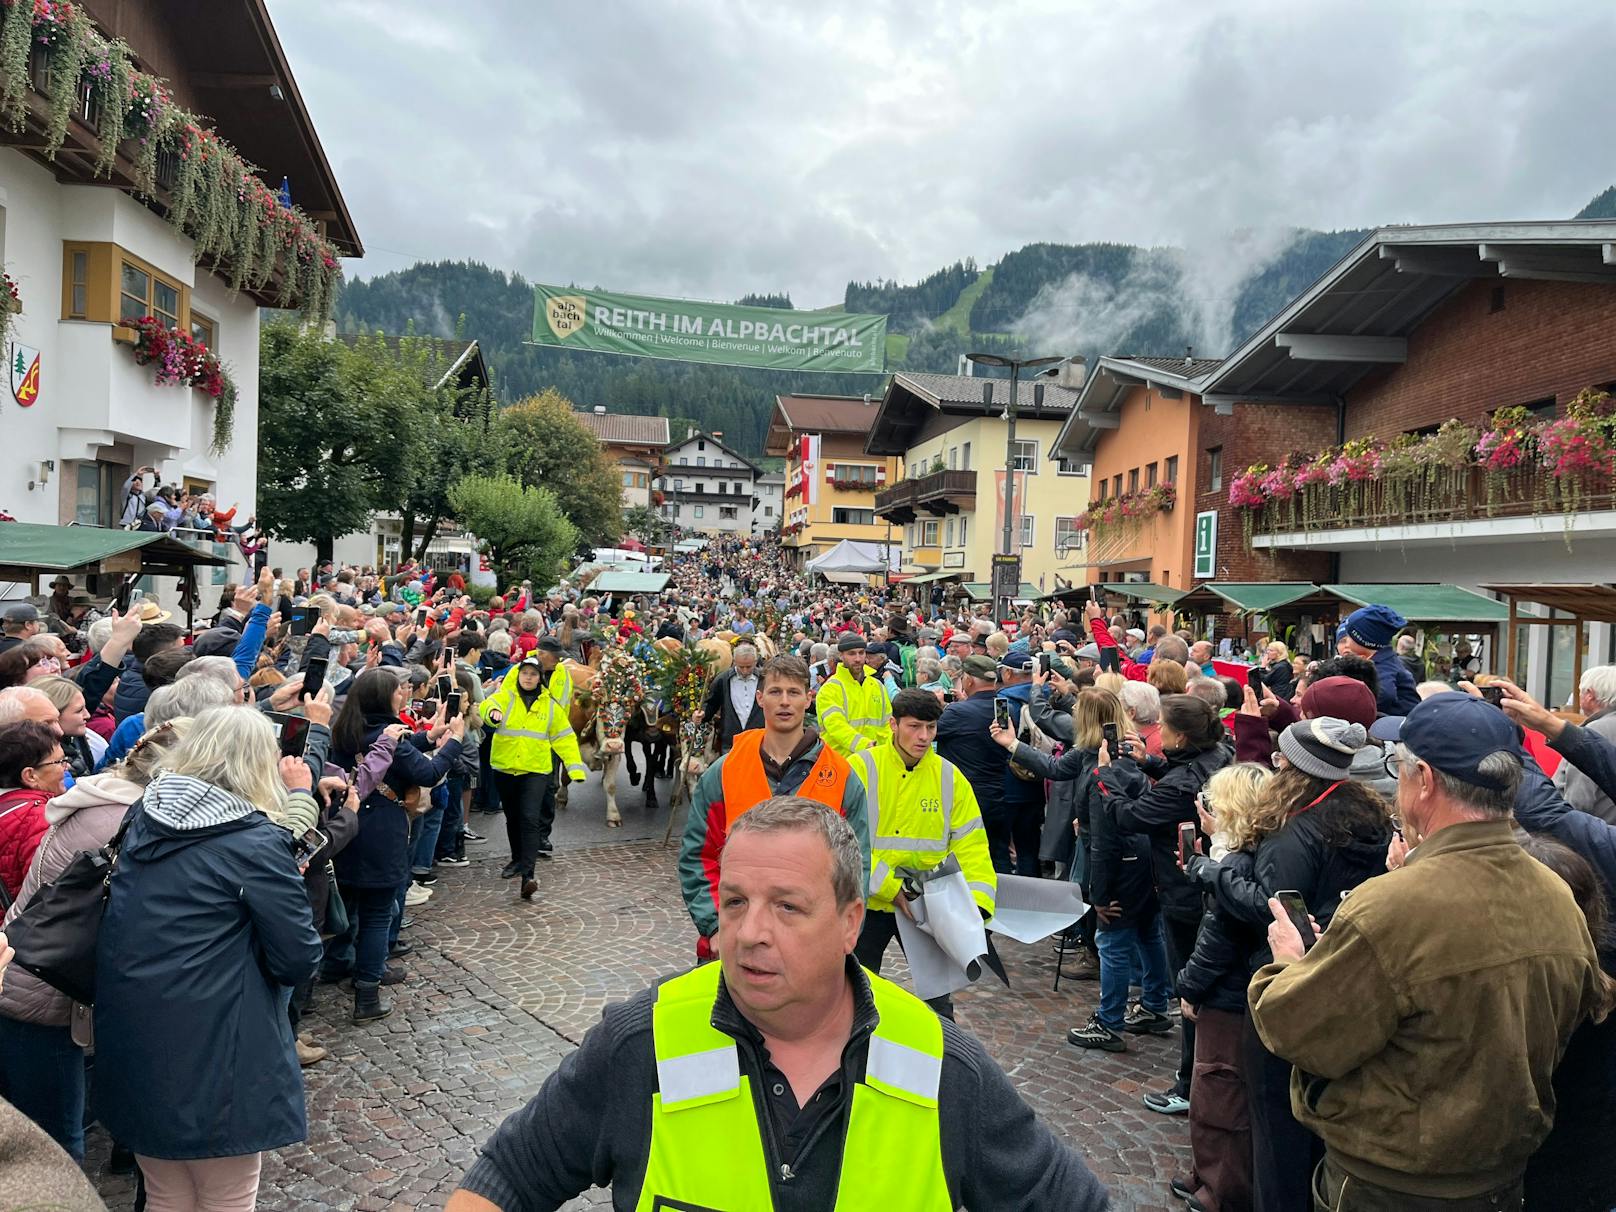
[1323,746]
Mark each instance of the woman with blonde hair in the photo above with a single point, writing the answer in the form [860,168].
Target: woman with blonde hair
[1212,995]
[43,1033]
[207,928]
[81,747]
[1113,682]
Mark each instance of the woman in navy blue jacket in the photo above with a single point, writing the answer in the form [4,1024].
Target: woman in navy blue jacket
[374,869]
[206,930]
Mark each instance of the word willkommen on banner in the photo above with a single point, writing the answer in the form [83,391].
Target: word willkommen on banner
[720,333]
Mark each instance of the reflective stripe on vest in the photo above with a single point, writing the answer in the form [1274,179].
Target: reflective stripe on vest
[746,786]
[707,1149]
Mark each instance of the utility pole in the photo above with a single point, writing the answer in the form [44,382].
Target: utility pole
[1009,540]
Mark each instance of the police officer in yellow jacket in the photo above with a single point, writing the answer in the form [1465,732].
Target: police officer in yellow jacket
[784,1078]
[921,809]
[852,706]
[530,734]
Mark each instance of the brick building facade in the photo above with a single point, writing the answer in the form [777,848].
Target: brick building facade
[1492,345]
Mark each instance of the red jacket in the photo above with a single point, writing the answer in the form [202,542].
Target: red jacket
[22,826]
[1131,669]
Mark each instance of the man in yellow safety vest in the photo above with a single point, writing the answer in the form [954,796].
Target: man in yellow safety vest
[852,706]
[863,1098]
[921,809]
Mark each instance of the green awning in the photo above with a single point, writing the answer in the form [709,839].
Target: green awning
[27,549]
[982,591]
[630,582]
[1426,603]
[1145,591]
[1257,598]
[926,577]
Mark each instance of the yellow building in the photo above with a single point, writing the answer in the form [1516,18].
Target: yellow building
[951,443]
[845,480]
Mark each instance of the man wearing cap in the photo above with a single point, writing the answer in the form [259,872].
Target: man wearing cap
[1023,797]
[20,622]
[1426,1023]
[1370,632]
[531,731]
[963,740]
[779,756]
[852,706]
[558,682]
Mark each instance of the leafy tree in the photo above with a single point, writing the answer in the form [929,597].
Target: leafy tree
[337,429]
[545,445]
[523,529]
[645,522]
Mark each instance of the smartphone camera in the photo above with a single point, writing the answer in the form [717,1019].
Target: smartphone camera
[1494,695]
[1001,713]
[1113,738]
[1296,909]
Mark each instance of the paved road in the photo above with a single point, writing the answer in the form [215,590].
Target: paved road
[500,991]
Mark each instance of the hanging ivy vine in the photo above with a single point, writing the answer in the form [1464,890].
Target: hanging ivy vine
[216,198]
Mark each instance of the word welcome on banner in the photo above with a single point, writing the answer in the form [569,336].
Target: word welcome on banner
[719,333]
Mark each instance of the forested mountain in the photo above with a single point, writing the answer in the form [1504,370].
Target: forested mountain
[1085,299]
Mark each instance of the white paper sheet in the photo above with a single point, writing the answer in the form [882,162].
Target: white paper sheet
[1028,909]
[946,944]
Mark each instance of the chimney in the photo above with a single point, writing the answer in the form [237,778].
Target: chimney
[966,368]
[600,410]
[1189,354]
[1072,373]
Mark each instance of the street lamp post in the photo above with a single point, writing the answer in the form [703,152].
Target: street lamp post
[1008,540]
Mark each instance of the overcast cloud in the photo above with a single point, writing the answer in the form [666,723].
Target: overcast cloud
[707,148]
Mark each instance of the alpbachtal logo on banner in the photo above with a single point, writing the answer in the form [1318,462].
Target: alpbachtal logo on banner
[566,315]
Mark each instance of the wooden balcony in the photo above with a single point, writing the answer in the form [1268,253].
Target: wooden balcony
[1461,494]
[936,494]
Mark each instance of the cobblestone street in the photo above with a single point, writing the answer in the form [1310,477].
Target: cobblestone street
[499,991]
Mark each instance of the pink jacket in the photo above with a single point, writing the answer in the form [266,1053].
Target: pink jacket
[84,817]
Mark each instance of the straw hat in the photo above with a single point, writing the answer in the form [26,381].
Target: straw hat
[151,612]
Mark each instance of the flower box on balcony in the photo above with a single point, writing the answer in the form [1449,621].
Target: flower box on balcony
[124,334]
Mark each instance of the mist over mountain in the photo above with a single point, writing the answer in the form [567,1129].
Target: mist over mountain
[1088,299]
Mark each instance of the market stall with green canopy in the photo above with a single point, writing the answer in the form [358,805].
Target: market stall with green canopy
[1426,603]
[613,581]
[29,550]
[982,591]
[1253,597]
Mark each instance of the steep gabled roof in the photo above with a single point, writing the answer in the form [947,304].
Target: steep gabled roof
[912,397]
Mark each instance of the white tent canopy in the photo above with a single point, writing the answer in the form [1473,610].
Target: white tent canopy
[849,562]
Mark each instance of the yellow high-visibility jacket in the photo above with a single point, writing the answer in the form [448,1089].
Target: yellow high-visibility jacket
[526,737]
[853,715]
[917,818]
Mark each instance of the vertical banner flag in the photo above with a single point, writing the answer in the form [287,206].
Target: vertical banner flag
[810,469]
[719,333]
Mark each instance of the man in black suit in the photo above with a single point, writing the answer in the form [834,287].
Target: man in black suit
[732,700]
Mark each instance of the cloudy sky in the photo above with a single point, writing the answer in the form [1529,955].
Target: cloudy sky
[707,148]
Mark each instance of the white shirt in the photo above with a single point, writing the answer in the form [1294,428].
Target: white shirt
[742,694]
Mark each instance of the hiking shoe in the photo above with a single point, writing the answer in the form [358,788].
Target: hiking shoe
[417,895]
[510,871]
[1080,965]
[1167,1102]
[1140,1021]
[1095,1034]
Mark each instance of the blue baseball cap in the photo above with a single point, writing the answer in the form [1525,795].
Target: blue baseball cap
[1454,733]
[1018,661]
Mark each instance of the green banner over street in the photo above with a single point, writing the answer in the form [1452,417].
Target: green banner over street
[719,333]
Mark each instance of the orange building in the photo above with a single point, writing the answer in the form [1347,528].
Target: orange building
[847,478]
